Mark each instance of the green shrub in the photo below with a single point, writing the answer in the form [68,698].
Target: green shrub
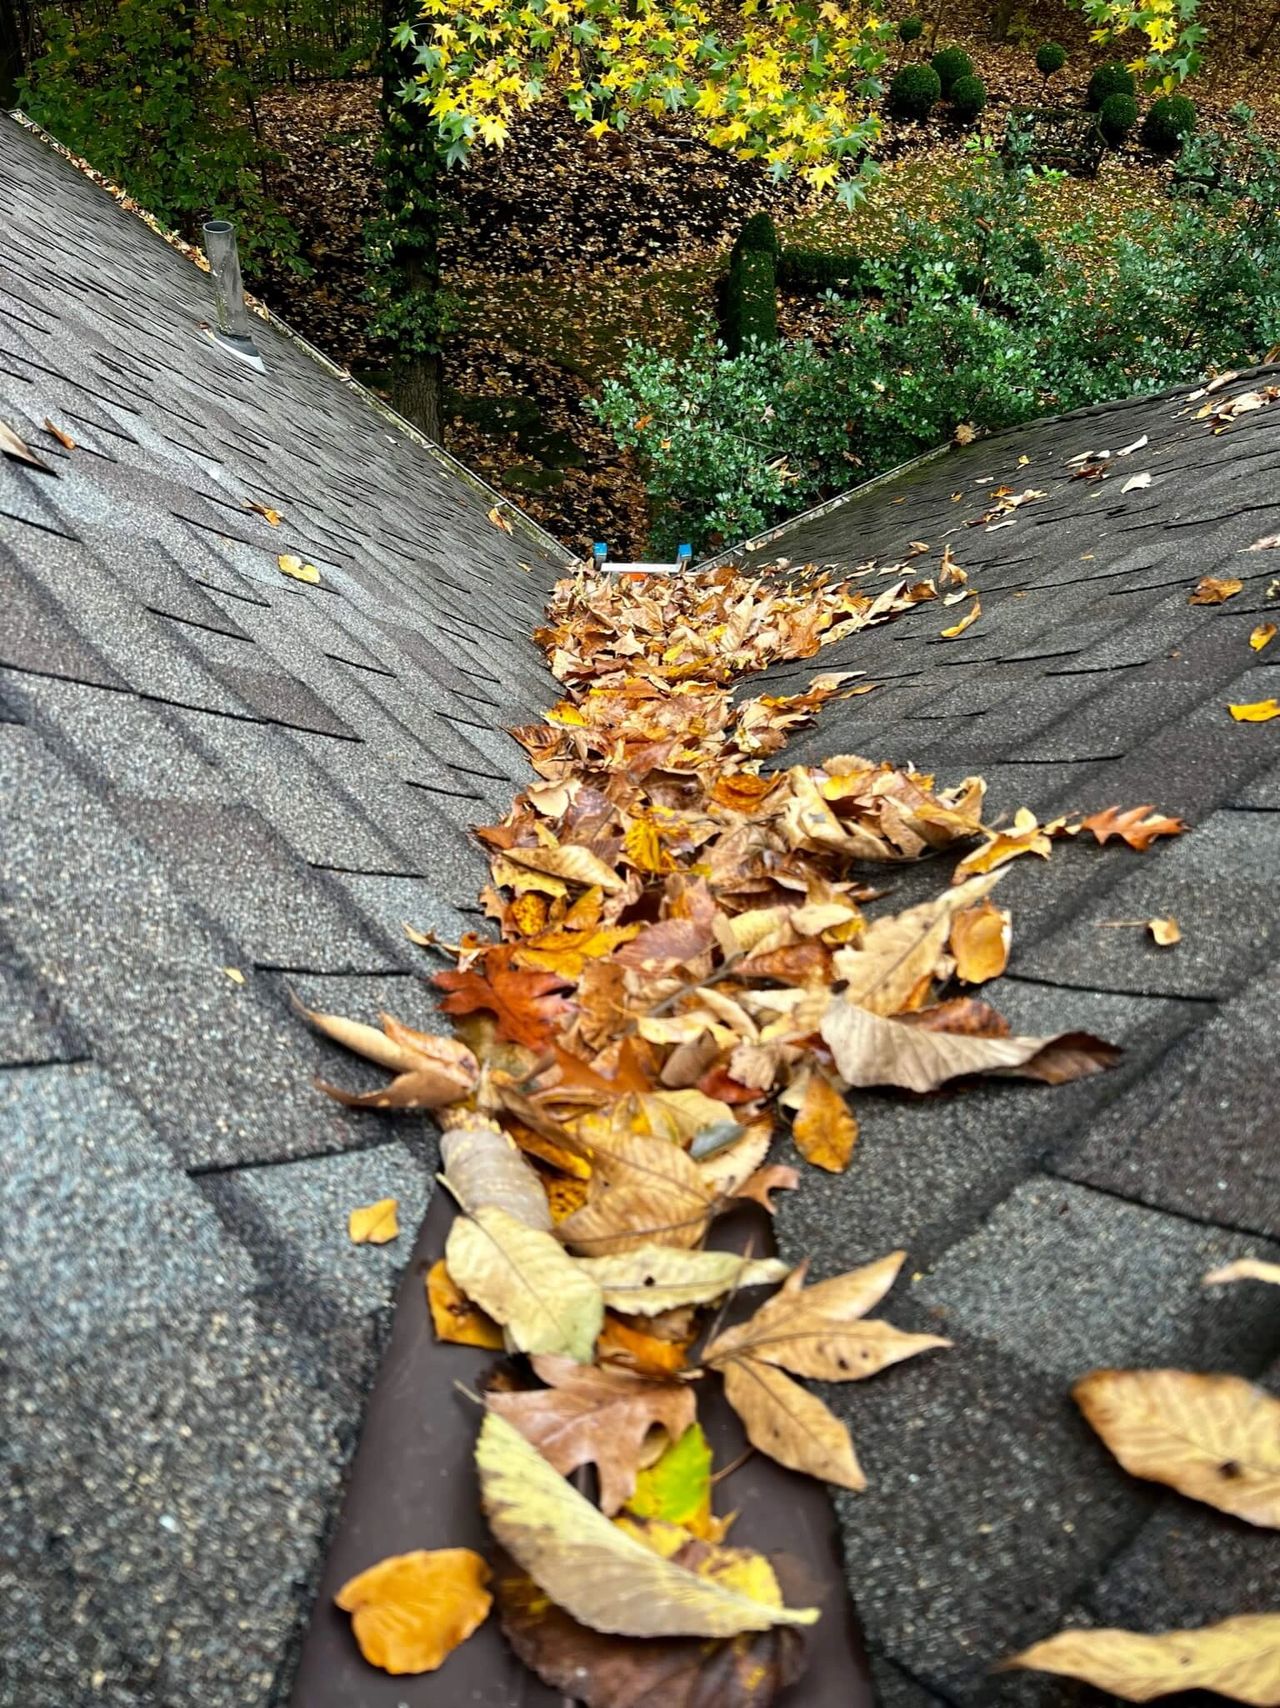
[968,98]
[1050,57]
[1118,116]
[951,64]
[749,295]
[910,30]
[840,270]
[1110,79]
[1169,122]
[914,92]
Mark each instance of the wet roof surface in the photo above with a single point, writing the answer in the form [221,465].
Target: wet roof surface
[206,765]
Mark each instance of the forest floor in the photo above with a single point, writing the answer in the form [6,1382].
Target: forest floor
[564,249]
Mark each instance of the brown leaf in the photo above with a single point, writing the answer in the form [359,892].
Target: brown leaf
[789,1423]
[524,1279]
[1215,1438]
[870,1050]
[574,864]
[825,1130]
[453,1315]
[820,1331]
[1239,1658]
[596,1416]
[410,1612]
[265,511]
[1212,590]
[374,1224]
[599,1671]
[899,951]
[1138,826]
[13,446]
[499,520]
[980,941]
[527,1010]
[63,438]
[966,622]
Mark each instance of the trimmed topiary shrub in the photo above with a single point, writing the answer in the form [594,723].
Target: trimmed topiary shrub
[968,98]
[1050,57]
[823,270]
[748,297]
[1168,124]
[1118,116]
[951,64]
[914,92]
[1110,79]
[910,30]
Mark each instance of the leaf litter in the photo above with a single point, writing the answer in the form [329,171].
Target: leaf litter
[682,957]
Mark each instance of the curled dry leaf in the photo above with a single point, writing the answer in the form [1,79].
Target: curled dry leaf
[454,1317]
[1138,826]
[1262,636]
[1215,590]
[1165,931]
[980,940]
[374,1224]
[1214,1438]
[11,445]
[499,520]
[1244,1269]
[410,1612]
[1239,1658]
[597,1573]
[265,511]
[64,438]
[430,1071]
[1026,836]
[653,1279]
[602,1417]
[966,622]
[1255,711]
[485,1169]
[575,865]
[825,1130]
[870,1050]
[524,1279]
[896,953]
[292,565]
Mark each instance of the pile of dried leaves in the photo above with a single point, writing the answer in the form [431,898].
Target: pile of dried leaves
[682,954]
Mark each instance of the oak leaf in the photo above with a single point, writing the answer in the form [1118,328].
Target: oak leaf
[1214,1438]
[410,1612]
[527,1009]
[454,1317]
[374,1224]
[870,1050]
[825,1129]
[524,1279]
[1138,826]
[596,1416]
[602,1577]
[822,1331]
[1239,1658]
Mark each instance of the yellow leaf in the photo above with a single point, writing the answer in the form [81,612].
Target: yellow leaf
[826,1129]
[1165,931]
[234,974]
[265,511]
[499,520]
[1027,836]
[525,1280]
[374,1224]
[409,1612]
[1239,1658]
[1256,712]
[292,565]
[980,939]
[970,617]
[455,1318]
[1214,1438]
[1262,636]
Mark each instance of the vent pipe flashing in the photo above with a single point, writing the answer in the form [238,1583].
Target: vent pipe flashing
[234,329]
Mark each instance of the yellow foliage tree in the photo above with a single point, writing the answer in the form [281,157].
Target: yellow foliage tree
[1172,34]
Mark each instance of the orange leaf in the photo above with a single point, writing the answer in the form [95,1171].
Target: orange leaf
[622,1343]
[1132,825]
[499,520]
[980,939]
[826,1129]
[527,1012]
[409,1612]
[743,791]
[64,439]
[1211,590]
[456,1319]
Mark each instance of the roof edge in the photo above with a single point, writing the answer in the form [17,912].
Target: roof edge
[380,406]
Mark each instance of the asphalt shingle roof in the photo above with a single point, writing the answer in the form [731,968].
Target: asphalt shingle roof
[206,765]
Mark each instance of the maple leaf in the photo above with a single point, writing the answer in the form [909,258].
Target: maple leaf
[1138,826]
[596,1416]
[410,1612]
[523,1002]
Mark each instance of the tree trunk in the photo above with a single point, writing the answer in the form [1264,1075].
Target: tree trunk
[411,168]
[1001,18]
[1257,48]
[15,45]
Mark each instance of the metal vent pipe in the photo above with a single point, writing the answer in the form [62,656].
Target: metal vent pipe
[235,328]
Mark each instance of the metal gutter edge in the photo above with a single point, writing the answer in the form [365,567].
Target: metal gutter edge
[770,534]
[389,414]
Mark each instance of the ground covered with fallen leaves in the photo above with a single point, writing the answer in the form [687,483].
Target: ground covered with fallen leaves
[563,248]
[686,957]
